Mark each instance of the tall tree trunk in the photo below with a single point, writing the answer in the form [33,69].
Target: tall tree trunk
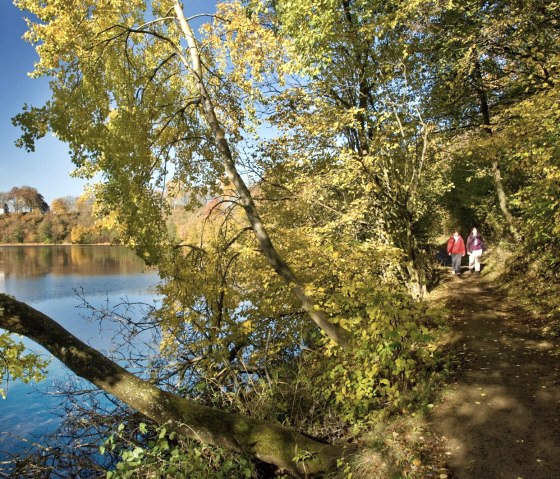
[502,199]
[334,331]
[266,441]
[485,112]
[417,281]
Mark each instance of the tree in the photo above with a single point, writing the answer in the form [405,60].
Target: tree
[14,199]
[151,147]
[134,104]
[266,441]
[482,57]
[4,199]
[60,206]
[363,75]
[45,231]
[26,199]
[172,99]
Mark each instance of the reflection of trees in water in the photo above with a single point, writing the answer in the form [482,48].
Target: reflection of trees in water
[29,261]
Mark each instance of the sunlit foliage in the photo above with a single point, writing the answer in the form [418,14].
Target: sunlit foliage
[363,128]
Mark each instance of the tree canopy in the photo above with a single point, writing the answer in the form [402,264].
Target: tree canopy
[24,199]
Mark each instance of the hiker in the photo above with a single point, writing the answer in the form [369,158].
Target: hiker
[456,249]
[475,247]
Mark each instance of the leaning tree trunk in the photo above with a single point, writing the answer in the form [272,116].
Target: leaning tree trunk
[334,331]
[502,200]
[500,191]
[263,440]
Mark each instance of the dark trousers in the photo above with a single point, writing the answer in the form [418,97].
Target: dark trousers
[456,262]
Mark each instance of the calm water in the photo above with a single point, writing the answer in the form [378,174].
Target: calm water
[48,278]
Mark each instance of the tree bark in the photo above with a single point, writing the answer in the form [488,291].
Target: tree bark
[502,200]
[263,440]
[417,282]
[500,191]
[334,331]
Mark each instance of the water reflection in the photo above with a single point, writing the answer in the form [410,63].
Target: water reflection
[32,261]
[41,273]
[48,278]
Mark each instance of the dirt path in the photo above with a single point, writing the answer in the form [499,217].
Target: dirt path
[501,417]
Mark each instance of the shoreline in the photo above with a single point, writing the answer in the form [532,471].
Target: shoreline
[58,244]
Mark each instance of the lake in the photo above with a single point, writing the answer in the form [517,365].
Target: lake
[52,279]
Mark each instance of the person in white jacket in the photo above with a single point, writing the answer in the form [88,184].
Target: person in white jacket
[475,248]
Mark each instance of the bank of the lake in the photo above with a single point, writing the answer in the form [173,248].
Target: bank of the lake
[58,244]
[52,227]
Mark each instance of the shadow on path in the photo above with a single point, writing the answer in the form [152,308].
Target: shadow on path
[501,418]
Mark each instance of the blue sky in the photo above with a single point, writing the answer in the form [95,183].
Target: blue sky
[48,168]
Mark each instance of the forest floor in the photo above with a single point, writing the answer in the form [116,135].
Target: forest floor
[500,416]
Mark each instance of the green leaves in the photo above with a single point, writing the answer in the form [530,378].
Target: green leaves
[16,365]
[396,350]
[165,455]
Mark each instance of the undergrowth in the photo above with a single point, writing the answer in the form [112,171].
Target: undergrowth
[533,279]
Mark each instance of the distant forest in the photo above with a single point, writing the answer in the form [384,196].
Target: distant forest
[25,217]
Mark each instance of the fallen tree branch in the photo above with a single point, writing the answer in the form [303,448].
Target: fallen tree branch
[265,441]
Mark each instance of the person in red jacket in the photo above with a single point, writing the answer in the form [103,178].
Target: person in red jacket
[456,249]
